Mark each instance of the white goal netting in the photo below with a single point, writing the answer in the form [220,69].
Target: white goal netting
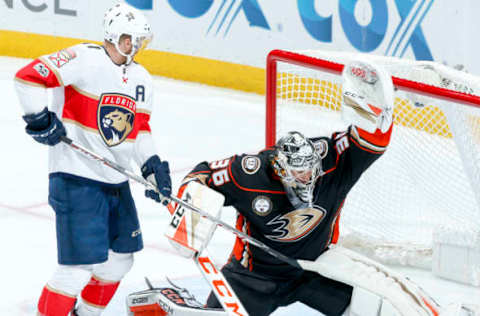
[430,175]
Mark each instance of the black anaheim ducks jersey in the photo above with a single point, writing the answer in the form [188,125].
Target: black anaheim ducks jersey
[265,212]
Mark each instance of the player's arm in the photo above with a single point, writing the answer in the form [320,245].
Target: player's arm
[367,105]
[217,175]
[31,84]
[153,169]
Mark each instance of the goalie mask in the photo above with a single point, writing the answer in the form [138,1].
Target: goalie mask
[298,164]
[123,19]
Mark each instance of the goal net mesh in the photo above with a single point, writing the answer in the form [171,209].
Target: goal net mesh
[429,177]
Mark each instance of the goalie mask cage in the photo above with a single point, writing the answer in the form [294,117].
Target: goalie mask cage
[428,180]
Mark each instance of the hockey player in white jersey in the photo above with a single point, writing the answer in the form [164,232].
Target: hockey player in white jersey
[103,100]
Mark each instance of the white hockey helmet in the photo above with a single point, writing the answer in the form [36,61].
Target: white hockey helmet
[123,19]
[298,164]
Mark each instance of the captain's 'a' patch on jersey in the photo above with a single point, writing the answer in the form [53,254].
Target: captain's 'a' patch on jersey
[115,117]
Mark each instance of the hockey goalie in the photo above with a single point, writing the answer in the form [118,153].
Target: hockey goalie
[289,198]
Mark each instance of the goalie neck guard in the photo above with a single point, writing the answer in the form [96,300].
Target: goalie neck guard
[298,165]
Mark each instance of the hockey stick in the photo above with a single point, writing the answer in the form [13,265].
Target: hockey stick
[225,294]
[175,199]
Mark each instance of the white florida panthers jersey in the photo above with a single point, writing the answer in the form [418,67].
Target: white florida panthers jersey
[104,107]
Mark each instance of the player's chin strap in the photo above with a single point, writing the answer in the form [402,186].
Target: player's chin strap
[372,282]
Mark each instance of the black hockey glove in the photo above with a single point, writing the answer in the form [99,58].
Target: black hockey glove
[158,173]
[44,127]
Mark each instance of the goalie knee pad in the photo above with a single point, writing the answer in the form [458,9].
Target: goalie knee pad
[115,268]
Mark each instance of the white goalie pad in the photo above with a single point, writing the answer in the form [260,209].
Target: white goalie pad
[458,309]
[367,97]
[171,301]
[404,296]
[188,231]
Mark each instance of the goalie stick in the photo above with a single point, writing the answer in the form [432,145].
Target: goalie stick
[175,199]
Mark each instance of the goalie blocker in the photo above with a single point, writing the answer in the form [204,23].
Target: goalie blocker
[189,232]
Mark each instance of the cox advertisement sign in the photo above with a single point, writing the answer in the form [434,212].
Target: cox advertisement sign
[243,31]
[363,35]
[419,29]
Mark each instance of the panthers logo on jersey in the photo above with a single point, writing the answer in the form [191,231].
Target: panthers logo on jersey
[115,117]
[296,224]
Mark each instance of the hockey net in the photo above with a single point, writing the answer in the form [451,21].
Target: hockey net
[429,178]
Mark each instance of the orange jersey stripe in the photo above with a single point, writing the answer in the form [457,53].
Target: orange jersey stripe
[239,246]
[378,138]
[336,225]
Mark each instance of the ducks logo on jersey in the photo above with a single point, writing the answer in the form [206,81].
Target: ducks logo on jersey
[296,224]
[115,117]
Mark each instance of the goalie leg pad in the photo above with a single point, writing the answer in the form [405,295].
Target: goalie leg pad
[349,267]
[166,301]
[459,309]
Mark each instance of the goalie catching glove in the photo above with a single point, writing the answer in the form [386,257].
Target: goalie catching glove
[367,98]
[188,231]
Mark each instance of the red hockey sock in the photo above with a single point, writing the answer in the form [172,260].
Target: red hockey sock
[99,293]
[55,303]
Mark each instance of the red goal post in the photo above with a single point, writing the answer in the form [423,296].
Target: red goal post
[429,178]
